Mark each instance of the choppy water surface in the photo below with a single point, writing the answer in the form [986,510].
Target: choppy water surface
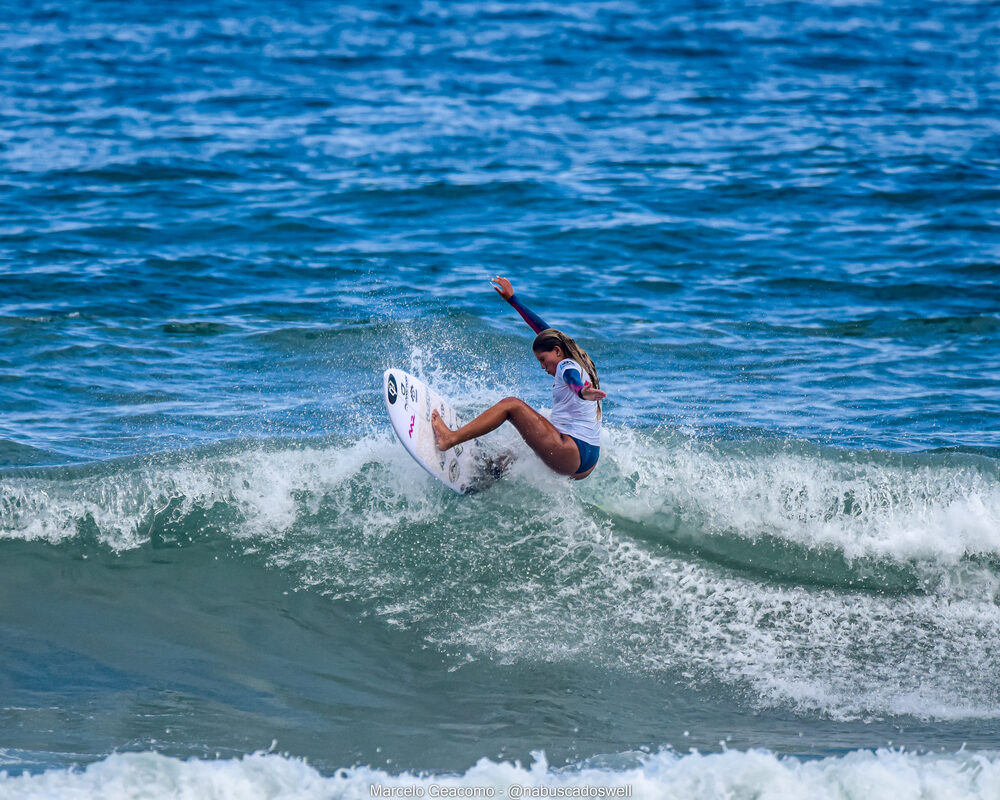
[774,226]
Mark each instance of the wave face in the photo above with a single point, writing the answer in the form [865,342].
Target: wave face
[805,586]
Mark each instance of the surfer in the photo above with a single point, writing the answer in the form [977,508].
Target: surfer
[571,442]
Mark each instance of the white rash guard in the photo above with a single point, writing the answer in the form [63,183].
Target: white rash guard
[571,414]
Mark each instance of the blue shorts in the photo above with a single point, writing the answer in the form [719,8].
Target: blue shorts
[589,453]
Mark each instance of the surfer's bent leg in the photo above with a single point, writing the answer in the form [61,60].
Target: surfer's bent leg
[558,451]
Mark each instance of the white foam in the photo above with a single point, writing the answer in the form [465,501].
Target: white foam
[842,654]
[268,488]
[731,775]
[862,504]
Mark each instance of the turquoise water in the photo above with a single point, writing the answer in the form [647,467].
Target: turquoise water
[774,227]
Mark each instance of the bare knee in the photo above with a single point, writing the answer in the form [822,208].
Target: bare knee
[512,404]
[519,413]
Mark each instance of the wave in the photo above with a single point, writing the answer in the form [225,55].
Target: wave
[14,454]
[876,510]
[853,585]
[888,774]
[936,508]
[916,328]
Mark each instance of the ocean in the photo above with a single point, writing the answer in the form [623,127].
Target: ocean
[773,225]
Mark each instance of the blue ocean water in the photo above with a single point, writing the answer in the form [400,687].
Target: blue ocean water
[774,226]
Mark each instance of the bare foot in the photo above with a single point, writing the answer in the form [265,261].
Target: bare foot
[442,433]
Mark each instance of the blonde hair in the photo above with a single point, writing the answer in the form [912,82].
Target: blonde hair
[551,338]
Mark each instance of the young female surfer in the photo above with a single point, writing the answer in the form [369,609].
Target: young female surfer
[570,443]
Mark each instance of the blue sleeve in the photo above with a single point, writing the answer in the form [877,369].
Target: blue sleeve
[573,379]
[536,322]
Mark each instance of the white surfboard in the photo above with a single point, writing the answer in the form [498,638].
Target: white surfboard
[410,402]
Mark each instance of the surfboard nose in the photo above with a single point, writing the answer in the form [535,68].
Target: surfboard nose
[410,402]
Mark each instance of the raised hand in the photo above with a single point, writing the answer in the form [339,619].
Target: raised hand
[503,287]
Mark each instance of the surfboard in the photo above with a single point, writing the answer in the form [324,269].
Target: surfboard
[409,402]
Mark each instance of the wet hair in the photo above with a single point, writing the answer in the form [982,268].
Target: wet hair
[550,338]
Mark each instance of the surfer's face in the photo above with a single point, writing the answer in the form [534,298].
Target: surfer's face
[550,359]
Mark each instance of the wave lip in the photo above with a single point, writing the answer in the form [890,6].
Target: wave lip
[936,508]
[878,775]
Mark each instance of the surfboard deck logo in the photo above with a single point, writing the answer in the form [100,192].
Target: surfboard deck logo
[463,468]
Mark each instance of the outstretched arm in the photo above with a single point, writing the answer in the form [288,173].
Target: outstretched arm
[506,291]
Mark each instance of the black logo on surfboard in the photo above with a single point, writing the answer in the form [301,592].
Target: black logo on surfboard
[391,390]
